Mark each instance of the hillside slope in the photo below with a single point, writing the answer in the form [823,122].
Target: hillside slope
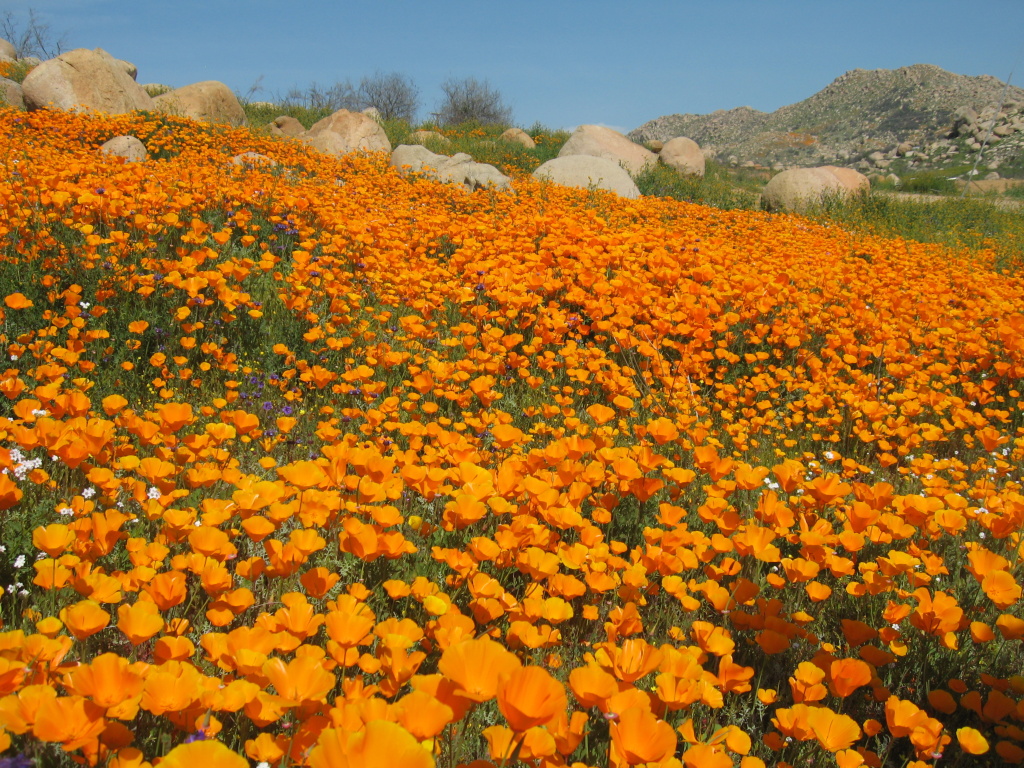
[861,112]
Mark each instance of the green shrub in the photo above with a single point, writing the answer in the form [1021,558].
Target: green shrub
[261,114]
[971,222]
[16,70]
[155,89]
[715,188]
[939,182]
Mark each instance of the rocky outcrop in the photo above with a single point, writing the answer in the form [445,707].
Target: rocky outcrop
[84,80]
[344,132]
[798,189]
[861,112]
[128,147]
[253,160]
[210,101]
[286,125]
[683,155]
[423,136]
[457,169]
[599,141]
[518,136]
[589,172]
[11,93]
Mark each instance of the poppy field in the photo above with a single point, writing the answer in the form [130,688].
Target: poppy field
[307,463]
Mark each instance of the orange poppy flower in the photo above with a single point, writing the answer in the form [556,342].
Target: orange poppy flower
[84,618]
[530,696]
[302,679]
[139,621]
[504,744]
[640,737]
[205,753]
[847,675]
[54,539]
[477,667]
[706,756]
[10,493]
[423,715]
[108,680]
[634,659]
[833,731]
[17,301]
[1001,588]
[72,721]
[381,744]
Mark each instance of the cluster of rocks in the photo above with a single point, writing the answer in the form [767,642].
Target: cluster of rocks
[85,79]
[594,157]
[93,80]
[598,157]
[995,132]
[869,119]
[800,188]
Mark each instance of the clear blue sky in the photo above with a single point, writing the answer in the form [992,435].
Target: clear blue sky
[559,62]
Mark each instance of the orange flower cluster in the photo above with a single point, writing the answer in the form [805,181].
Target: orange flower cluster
[328,467]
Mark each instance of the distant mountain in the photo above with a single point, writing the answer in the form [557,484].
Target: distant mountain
[860,113]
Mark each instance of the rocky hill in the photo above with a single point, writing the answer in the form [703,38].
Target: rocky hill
[866,118]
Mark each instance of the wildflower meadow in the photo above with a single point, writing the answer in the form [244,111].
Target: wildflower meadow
[308,463]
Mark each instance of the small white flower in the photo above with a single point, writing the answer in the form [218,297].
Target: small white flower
[88,493]
[66,511]
[981,535]
[153,492]
[40,412]
[896,627]
[84,304]
[3,548]
[19,561]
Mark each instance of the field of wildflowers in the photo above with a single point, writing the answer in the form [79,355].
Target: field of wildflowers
[312,464]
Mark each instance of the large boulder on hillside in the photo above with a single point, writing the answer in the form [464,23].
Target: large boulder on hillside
[423,136]
[344,132]
[128,147]
[130,69]
[588,172]
[683,155]
[457,169]
[84,80]
[854,182]
[251,160]
[7,51]
[598,141]
[518,136]
[800,188]
[286,125]
[209,101]
[11,94]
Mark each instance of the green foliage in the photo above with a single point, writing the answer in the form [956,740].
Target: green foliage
[260,114]
[969,222]
[156,89]
[936,182]
[715,188]
[470,100]
[17,70]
